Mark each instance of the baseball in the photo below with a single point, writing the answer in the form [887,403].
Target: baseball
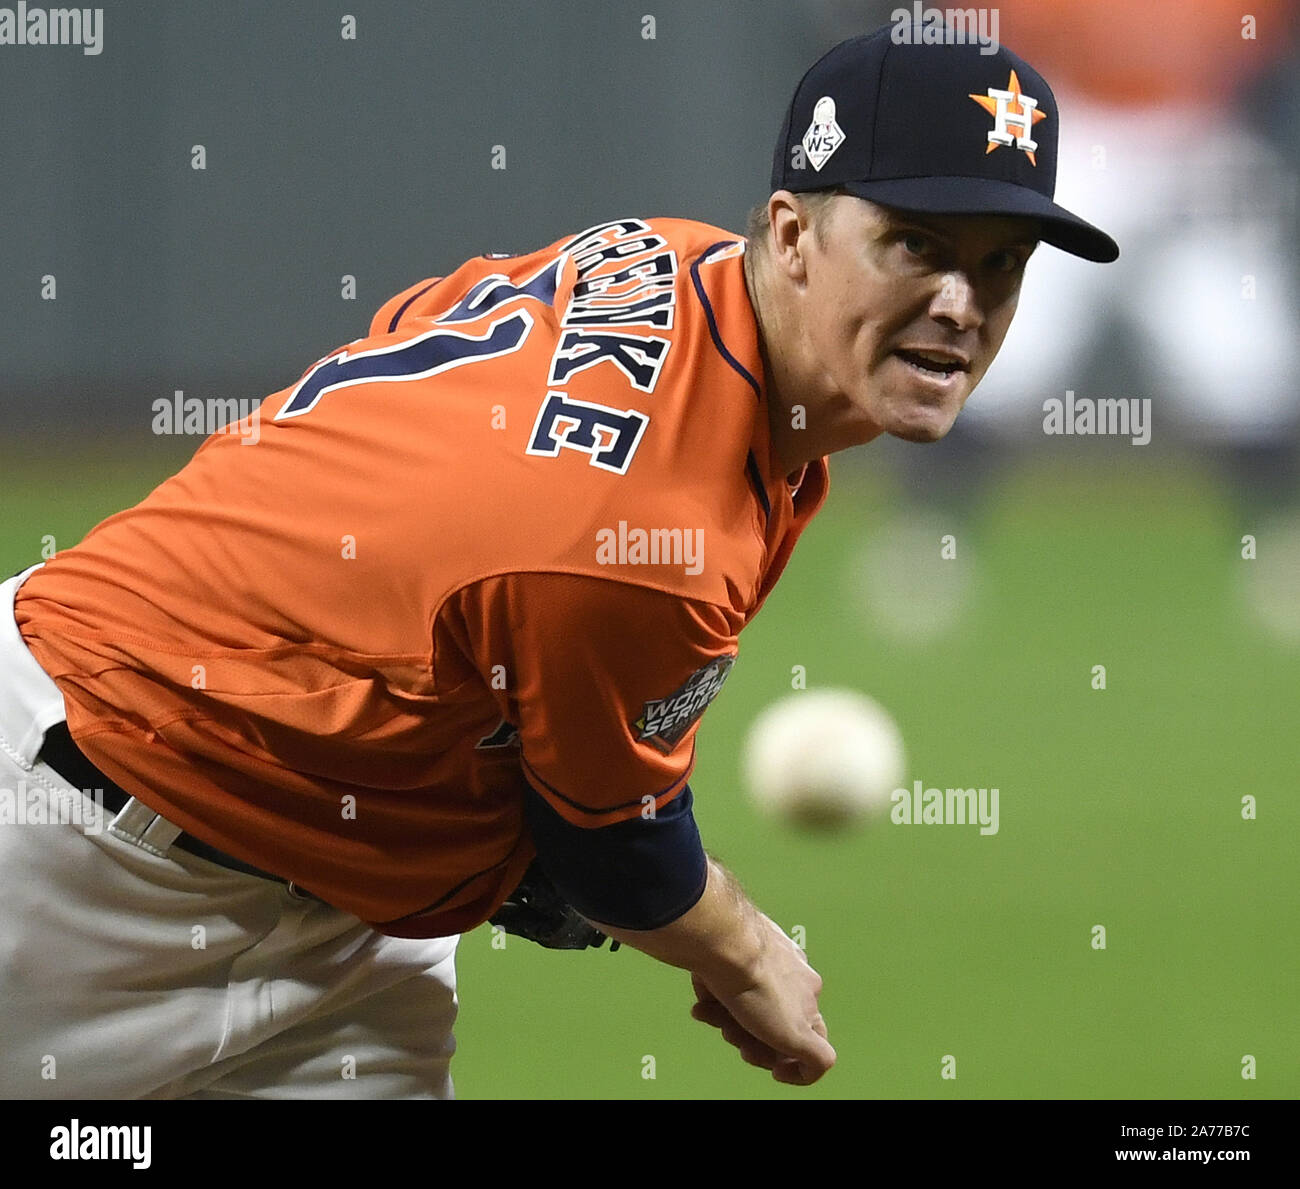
[824,758]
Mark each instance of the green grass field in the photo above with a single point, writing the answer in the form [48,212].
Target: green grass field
[1119,807]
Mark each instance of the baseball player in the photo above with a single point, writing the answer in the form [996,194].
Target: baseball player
[434,650]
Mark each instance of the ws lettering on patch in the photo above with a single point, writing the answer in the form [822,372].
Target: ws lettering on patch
[664,721]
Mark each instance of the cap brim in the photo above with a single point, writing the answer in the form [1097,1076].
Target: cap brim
[988,196]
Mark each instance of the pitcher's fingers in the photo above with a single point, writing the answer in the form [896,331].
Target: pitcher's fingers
[752,1050]
[712,1013]
[796,1073]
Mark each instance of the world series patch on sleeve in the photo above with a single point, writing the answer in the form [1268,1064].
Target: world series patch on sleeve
[664,721]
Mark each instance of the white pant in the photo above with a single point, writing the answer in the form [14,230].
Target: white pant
[124,974]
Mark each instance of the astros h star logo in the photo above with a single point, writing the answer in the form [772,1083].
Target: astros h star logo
[1011,107]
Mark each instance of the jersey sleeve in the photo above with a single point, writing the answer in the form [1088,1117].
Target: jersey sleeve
[604,681]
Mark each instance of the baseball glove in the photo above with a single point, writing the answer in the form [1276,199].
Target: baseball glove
[536,911]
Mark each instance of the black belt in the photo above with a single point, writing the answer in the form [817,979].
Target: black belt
[62,754]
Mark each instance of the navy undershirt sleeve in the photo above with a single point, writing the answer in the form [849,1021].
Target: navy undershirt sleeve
[638,874]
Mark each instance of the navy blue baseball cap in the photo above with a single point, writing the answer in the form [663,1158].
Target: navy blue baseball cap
[944,129]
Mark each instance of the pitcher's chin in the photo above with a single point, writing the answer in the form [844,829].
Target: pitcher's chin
[921,423]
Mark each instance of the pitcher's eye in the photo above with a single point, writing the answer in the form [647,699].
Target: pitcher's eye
[1007,261]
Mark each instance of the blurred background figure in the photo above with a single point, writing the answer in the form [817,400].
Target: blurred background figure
[1165,142]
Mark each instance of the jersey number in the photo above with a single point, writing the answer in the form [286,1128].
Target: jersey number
[416,359]
[609,436]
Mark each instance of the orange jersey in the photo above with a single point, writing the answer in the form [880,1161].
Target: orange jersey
[511,536]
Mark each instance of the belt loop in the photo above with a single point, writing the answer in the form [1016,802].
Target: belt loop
[140,825]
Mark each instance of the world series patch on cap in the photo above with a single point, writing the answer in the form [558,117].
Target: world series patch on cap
[943,129]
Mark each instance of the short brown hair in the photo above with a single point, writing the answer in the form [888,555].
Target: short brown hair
[816,202]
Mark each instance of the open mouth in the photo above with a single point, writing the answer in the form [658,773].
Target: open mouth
[937,366]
